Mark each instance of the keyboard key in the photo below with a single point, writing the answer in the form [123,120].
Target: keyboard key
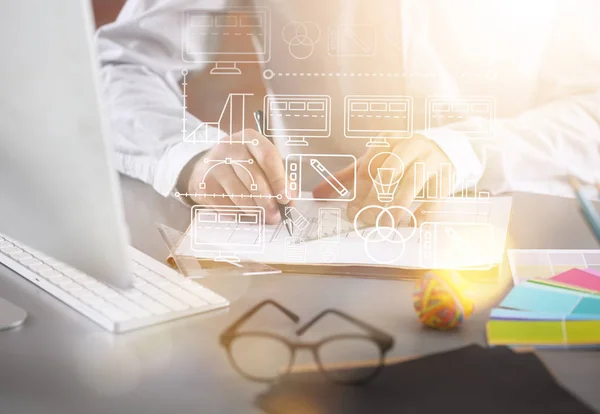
[40,267]
[91,299]
[50,274]
[68,284]
[30,262]
[112,312]
[10,250]
[152,306]
[186,297]
[58,279]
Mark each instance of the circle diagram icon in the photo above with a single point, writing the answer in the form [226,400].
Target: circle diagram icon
[385,242]
[301,38]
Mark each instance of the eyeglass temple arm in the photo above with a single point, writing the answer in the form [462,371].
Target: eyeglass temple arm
[369,328]
[236,325]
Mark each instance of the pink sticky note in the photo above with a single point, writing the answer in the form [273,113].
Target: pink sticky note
[588,279]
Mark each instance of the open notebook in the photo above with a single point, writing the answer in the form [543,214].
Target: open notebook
[456,234]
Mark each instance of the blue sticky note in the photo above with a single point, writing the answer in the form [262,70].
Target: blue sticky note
[540,298]
[588,305]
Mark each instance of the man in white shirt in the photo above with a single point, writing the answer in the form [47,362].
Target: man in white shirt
[536,61]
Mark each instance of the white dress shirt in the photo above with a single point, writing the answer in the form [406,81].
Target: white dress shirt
[538,59]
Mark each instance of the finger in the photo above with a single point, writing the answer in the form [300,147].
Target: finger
[404,196]
[212,187]
[428,210]
[386,172]
[256,185]
[345,176]
[269,160]
[234,188]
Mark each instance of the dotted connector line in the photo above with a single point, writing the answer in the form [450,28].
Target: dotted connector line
[206,195]
[270,74]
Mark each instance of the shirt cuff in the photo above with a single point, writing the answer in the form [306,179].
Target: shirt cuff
[467,166]
[171,164]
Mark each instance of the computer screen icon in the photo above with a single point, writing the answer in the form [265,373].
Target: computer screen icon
[445,110]
[297,117]
[224,232]
[227,37]
[378,118]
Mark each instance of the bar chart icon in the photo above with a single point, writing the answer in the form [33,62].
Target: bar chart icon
[435,185]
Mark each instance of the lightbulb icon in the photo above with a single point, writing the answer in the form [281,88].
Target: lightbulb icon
[386,170]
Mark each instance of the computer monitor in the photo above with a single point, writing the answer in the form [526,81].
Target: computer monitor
[444,110]
[378,118]
[220,37]
[224,232]
[297,117]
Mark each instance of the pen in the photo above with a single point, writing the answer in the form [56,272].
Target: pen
[258,117]
[328,176]
[587,208]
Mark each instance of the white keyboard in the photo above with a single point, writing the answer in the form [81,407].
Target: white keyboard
[159,293]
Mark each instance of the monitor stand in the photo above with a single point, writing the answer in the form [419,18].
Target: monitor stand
[11,316]
[378,142]
[225,69]
[296,142]
[224,258]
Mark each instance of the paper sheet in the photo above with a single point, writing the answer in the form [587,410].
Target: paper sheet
[458,234]
[543,264]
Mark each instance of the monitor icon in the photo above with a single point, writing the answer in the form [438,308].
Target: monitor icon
[297,117]
[378,118]
[441,111]
[246,34]
[223,232]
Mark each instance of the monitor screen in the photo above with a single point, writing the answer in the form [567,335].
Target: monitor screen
[218,229]
[441,111]
[369,116]
[297,116]
[206,33]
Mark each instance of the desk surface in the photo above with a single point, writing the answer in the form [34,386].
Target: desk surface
[60,362]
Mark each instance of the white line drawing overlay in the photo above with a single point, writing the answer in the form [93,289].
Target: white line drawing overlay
[229,161]
[302,169]
[242,230]
[481,110]
[386,230]
[297,117]
[378,118]
[329,224]
[352,40]
[301,38]
[298,220]
[233,113]
[329,230]
[233,26]
[429,185]
[385,177]
[446,244]
[295,249]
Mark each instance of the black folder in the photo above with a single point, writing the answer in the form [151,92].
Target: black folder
[469,380]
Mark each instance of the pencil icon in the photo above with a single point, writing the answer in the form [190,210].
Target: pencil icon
[460,241]
[328,176]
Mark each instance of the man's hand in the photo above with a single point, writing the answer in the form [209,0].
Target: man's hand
[233,181]
[411,151]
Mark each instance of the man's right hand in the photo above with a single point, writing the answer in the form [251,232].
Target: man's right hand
[259,164]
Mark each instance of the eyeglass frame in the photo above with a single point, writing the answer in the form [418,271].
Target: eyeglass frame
[383,341]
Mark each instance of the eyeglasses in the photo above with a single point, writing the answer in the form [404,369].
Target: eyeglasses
[264,356]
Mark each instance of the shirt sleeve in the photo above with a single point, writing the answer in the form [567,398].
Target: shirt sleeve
[141,71]
[537,150]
